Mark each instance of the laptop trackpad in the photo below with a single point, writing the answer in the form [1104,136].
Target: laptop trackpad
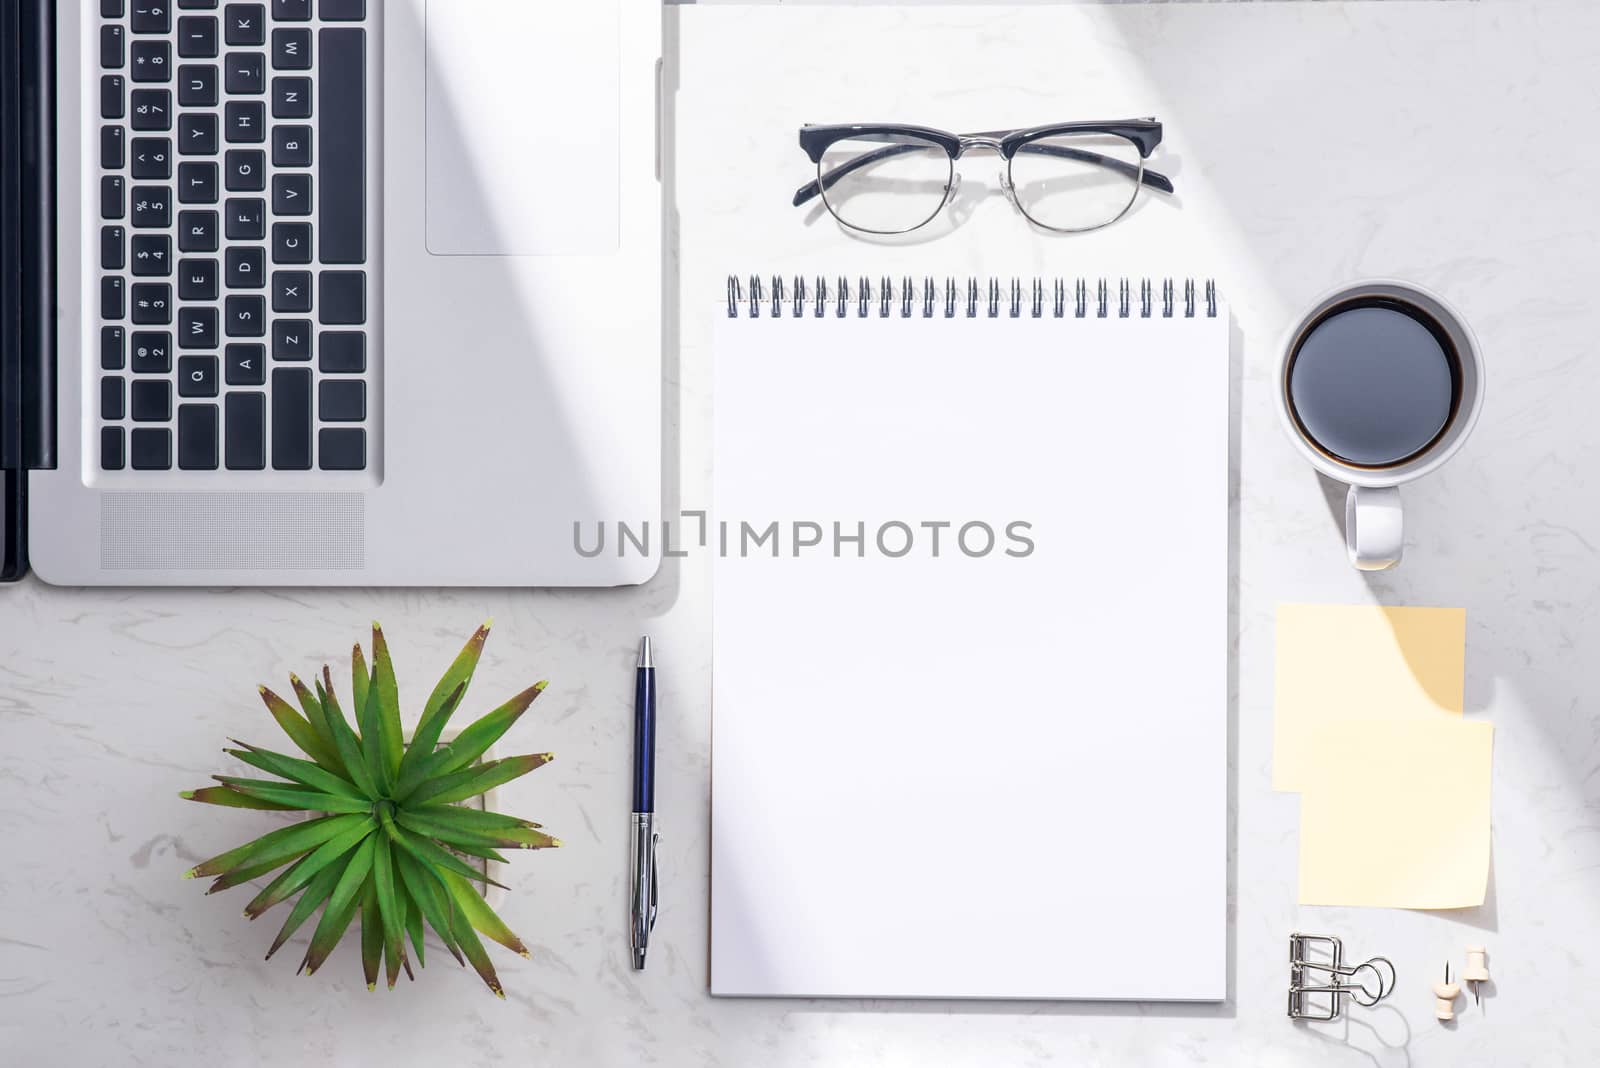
[523,127]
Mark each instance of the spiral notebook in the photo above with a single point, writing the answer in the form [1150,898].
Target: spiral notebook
[970,640]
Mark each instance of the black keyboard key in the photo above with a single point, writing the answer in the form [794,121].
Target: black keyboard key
[197,376]
[197,37]
[343,10]
[245,73]
[247,170]
[112,53]
[112,141]
[152,352]
[152,400]
[246,365]
[197,437]
[291,242]
[197,231]
[113,348]
[291,419]
[111,449]
[151,109]
[291,194]
[291,10]
[291,49]
[151,303]
[111,298]
[342,400]
[152,207]
[152,255]
[197,327]
[291,292]
[291,98]
[111,9]
[152,448]
[246,24]
[112,255]
[246,267]
[197,183]
[247,219]
[113,398]
[342,149]
[112,103]
[151,158]
[342,352]
[197,134]
[344,449]
[245,316]
[151,61]
[151,16]
[291,146]
[208,5]
[342,297]
[113,205]
[197,85]
[244,425]
[197,279]
[291,339]
[245,121]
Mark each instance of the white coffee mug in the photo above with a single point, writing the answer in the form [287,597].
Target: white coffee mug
[1374,526]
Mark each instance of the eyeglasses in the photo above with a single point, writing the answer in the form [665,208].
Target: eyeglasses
[1070,177]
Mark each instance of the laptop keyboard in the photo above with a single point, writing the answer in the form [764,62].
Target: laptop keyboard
[233,233]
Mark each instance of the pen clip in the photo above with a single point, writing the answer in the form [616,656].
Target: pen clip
[654,838]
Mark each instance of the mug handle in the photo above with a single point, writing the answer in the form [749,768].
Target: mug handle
[1374,528]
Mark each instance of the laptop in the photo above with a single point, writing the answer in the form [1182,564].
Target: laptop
[330,292]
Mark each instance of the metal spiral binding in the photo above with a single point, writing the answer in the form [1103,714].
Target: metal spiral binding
[992,298]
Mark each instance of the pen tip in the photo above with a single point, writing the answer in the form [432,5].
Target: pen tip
[646,660]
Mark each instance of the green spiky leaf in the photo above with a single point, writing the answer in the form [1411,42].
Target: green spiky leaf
[301,732]
[473,742]
[479,779]
[390,733]
[221,795]
[341,905]
[316,892]
[457,676]
[395,832]
[371,936]
[481,916]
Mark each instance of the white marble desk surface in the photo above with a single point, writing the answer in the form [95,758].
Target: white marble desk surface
[1312,143]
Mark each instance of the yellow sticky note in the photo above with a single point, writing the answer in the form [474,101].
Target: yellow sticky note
[1398,814]
[1339,662]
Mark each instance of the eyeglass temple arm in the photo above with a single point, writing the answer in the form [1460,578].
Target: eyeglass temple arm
[1154,179]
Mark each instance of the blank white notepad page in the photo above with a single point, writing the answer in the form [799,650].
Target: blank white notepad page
[971,774]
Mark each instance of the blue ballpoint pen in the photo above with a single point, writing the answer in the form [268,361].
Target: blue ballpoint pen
[643,898]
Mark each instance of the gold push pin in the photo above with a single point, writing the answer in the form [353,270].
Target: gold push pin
[1445,993]
[1477,972]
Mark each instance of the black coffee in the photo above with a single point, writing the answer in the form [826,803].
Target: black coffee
[1374,382]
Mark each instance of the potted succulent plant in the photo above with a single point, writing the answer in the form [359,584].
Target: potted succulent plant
[390,833]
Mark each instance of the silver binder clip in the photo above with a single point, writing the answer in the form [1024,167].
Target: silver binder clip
[1317,971]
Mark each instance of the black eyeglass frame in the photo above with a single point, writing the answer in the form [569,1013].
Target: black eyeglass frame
[1145,134]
